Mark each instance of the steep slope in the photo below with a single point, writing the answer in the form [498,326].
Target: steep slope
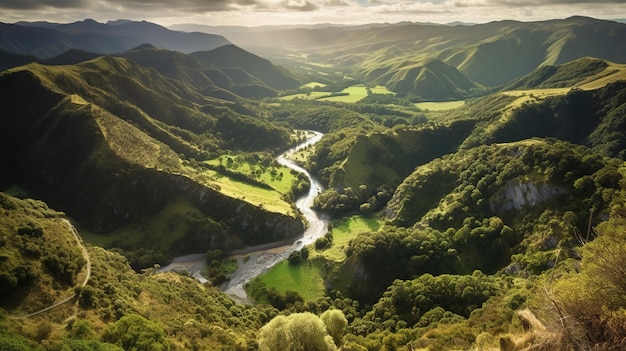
[568,74]
[226,72]
[434,81]
[585,117]
[41,261]
[46,40]
[109,172]
[233,57]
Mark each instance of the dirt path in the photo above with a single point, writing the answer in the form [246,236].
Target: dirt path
[80,243]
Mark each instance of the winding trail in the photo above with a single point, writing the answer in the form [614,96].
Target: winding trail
[256,260]
[80,243]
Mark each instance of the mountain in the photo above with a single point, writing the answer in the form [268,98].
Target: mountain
[46,40]
[114,143]
[565,75]
[433,81]
[219,72]
[489,54]
[231,56]
[10,59]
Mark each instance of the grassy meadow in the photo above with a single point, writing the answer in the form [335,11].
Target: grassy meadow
[439,106]
[344,231]
[350,94]
[307,278]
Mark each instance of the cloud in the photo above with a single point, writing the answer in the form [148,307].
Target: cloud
[39,4]
[305,11]
[299,5]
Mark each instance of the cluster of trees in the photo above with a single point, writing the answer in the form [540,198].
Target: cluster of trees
[36,248]
[304,331]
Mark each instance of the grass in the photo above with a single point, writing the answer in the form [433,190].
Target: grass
[305,278]
[379,89]
[306,96]
[268,175]
[355,93]
[345,231]
[439,106]
[270,200]
[313,85]
[350,94]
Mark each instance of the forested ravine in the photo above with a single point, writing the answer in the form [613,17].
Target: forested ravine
[260,258]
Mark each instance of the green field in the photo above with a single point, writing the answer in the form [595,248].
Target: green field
[313,95]
[379,89]
[313,85]
[350,94]
[305,278]
[277,177]
[345,231]
[355,93]
[439,106]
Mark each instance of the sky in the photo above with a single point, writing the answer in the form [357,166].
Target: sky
[277,12]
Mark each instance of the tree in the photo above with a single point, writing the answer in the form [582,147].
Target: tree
[296,332]
[336,324]
[135,333]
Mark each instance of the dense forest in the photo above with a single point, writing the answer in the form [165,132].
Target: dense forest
[494,222]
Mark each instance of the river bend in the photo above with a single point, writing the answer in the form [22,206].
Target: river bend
[260,258]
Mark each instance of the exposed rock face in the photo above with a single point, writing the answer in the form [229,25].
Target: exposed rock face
[516,194]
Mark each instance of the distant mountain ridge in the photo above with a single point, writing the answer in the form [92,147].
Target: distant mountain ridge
[488,55]
[46,40]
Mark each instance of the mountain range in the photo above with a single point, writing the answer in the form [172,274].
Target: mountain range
[452,224]
[453,60]
[46,40]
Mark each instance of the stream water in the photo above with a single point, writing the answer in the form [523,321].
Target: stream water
[256,260]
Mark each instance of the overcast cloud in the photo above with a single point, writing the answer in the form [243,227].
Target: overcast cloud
[262,12]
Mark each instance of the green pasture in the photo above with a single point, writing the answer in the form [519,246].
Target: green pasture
[439,106]
[355,93]
[277,177]
[305,278]
[379,89]
[314,85]
[344,231]
[313,95]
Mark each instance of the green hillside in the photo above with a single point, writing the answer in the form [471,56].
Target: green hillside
[113,174]
[40,259]
[495,221]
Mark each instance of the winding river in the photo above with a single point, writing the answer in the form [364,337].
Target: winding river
[256,260]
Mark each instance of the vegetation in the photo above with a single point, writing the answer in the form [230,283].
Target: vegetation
[496,224]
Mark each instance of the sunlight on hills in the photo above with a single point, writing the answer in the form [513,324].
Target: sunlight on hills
[439,106]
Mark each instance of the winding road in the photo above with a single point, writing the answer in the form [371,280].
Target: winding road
[260,258]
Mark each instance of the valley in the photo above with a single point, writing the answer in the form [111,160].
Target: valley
[391,186]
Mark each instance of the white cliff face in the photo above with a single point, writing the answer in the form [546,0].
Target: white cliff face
[516,194]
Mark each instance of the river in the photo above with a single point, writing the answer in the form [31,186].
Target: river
[256,260]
